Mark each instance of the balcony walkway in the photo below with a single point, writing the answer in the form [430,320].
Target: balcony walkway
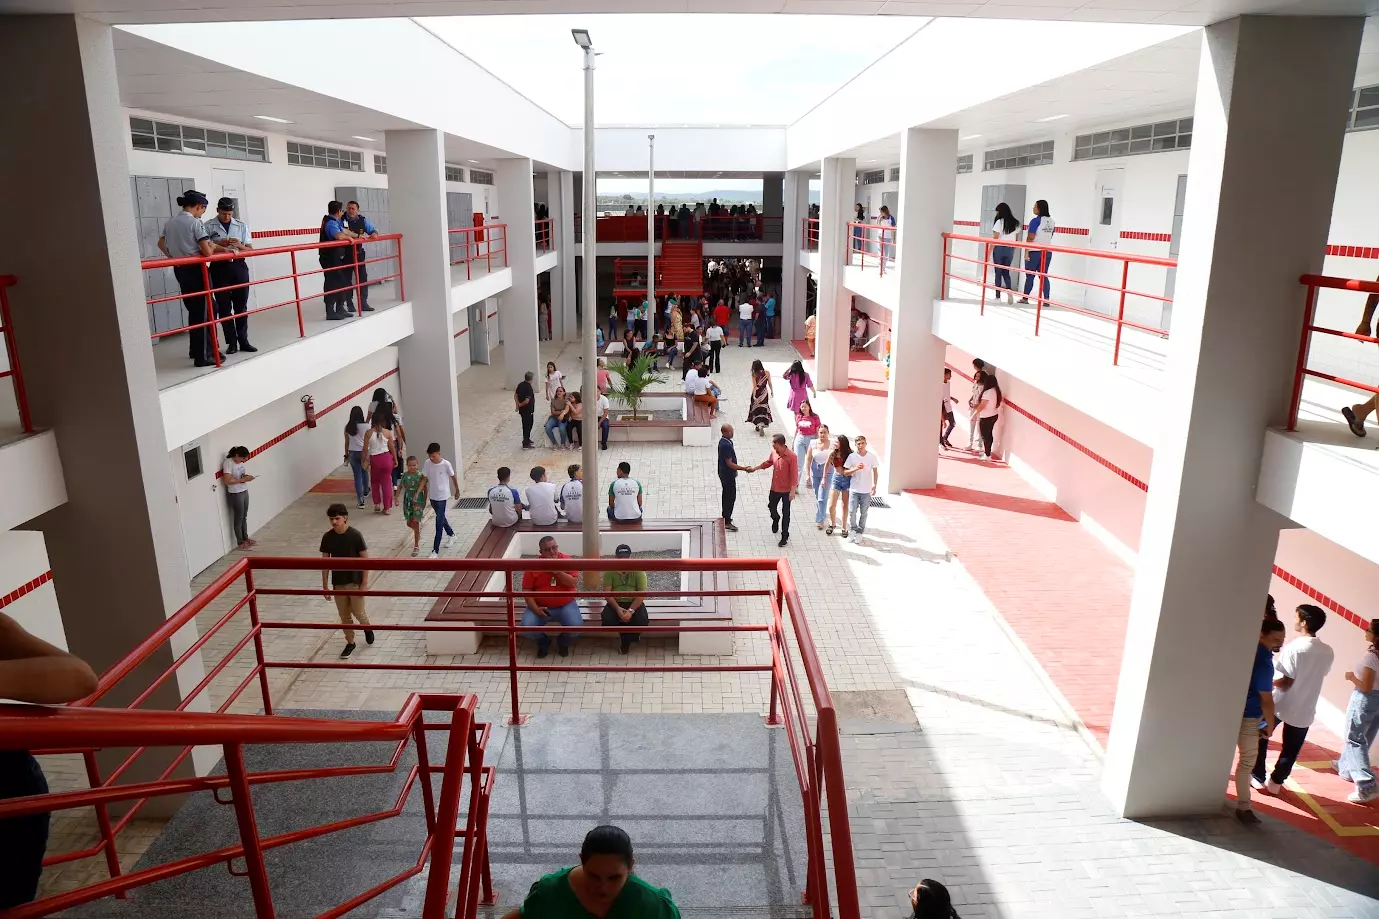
[964,762]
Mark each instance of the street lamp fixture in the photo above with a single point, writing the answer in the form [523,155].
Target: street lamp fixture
[582,38]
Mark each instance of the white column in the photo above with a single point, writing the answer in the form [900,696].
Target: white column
[831,332]
[792,274]
[81,326]
[561,189]
[521,344]
[1207,546]
[928,182]
[426,358]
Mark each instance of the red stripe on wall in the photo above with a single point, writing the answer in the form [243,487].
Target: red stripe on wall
[301,425]
[25,589]
[1347,614]
[1353,251]
[462,332]
[1073,231]
[966,223]
[270,234]
[1146,236]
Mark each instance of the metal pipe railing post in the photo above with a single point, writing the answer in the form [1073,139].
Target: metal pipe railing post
[840,830]
[112,857]
[1308,317]
[401,274]
[297,294]
[516,716]
[248,831]
[258,641]
[12,352]
[210,329]
[1120,315]
[986,262]
[778,650]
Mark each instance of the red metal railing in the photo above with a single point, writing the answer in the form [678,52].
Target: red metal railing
[809,234]
[545,236]
[1121,292]
[628,228]
[1314,284]
[876,240]
[816,754]
[295,276]
[487,244]
[21,399]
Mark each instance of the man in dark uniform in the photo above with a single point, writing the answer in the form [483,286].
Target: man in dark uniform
[230,305]
[360,226]
[338,263]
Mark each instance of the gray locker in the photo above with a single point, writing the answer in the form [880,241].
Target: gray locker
[459,209]
[373,204]
[155,201]
[992,195]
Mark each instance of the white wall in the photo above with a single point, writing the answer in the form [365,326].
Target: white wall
[1352,224]
[737,149]
[24,558]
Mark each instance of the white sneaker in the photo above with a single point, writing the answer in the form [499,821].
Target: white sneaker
[415,552]
[434,555]
[1256,784]
[448,542]
[1272,787]
[1363,797]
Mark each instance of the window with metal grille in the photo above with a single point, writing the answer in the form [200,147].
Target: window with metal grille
[1040,154]
[964,164]
[454,173]
[380,164]
[874,177]
[324,157]
[166,137]
[1364,109]
[479,177]
[895,173]
[1142,138]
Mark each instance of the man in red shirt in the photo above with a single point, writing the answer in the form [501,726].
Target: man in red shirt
[785,477]
[554,604]
[721,313]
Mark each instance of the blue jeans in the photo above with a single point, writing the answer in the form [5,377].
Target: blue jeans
[442,525]
[821,479]
[744,332]
[361,475]
[762,322]
[1003,256]
[1362,726]
[802,442]
[861,503]
[554,424]
[1034,265]
[568,614]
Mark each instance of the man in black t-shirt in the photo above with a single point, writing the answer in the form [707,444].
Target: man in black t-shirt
[691,354]
[344,541]
[728,468]
[524,397]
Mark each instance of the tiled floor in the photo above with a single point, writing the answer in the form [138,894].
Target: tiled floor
[963,761]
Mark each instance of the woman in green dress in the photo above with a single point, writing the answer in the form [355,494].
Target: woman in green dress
[601,886]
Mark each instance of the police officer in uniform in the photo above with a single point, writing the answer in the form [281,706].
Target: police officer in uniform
[338,262]
[361,227]
[185,236]
[231,233]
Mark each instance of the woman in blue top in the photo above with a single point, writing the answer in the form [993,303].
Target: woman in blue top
[1037,260]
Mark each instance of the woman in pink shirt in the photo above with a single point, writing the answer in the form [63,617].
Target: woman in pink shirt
[807,426]
[602,376]
[801,385]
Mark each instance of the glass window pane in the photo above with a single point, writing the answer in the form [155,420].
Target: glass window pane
[1164,143]
[1140,146]
[1120,135]
[1184,141]
[169,144]
[1101,150]
[193,134]
[189,145]
[1185,125]
[1367,118]
[1120,149]
[216,137]
[1165,128]
[141,125]
[1369,95]
[1144,130]
[144,142]
[167,130]
[1101,138]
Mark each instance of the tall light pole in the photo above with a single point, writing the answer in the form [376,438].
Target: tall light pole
[589,390]
[651,242]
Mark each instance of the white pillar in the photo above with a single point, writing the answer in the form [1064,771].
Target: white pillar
[792,274]
[561,189]
[928,182]
[1272,97]
[426,358]
[521,344]
[831,331]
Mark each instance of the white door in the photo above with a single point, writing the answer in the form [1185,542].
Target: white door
[1106,236]
[200,505]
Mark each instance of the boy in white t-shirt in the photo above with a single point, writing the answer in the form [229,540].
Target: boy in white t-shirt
[541,499]
[571,498]
[864,468]
[504,503]
[624,496]
[439,478]
[602,414]
[1299,669]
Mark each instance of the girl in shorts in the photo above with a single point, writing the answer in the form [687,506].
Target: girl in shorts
[413,502]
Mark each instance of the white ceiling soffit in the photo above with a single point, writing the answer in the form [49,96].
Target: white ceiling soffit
[1159,12]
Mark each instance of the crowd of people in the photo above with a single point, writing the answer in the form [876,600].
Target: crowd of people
[984,407]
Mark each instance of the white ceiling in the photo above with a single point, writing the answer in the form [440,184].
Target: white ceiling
[1163,12]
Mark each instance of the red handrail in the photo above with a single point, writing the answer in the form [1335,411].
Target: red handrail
[545,237]
[1040,301]
[21,399]
[295,276]
[815,752]
[1315,283]
[859,242]
[479,244]
[809,234]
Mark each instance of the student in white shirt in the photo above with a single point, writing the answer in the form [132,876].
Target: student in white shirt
[863,468]
[714,336]
[988,409]
[1006,228]
[1037,260]
[744,322]
[237,480]
[604,423]
[554,380]
[441,485]
[624,496]
[541,499]
[946,422]
[1299,670]
[504,503]
[571,496]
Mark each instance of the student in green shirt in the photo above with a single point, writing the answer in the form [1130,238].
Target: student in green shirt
[623,606]
[601,886]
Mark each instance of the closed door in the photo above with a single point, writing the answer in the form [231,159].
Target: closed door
[200,506]
[1105,236]
[478,334]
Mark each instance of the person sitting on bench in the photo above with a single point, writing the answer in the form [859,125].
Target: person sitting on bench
[625,606]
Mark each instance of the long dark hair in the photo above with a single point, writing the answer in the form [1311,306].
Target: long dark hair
[797,371]
[757,370]
[1009,222]
[383,416]
[989,382]
[1374,635]
[356,419]
[1042,207]
[842,449]
[932,901]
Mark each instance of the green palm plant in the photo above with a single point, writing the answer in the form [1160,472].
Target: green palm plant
[632,380]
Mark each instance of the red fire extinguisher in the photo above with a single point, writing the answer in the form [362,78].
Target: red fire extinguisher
[310,407]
